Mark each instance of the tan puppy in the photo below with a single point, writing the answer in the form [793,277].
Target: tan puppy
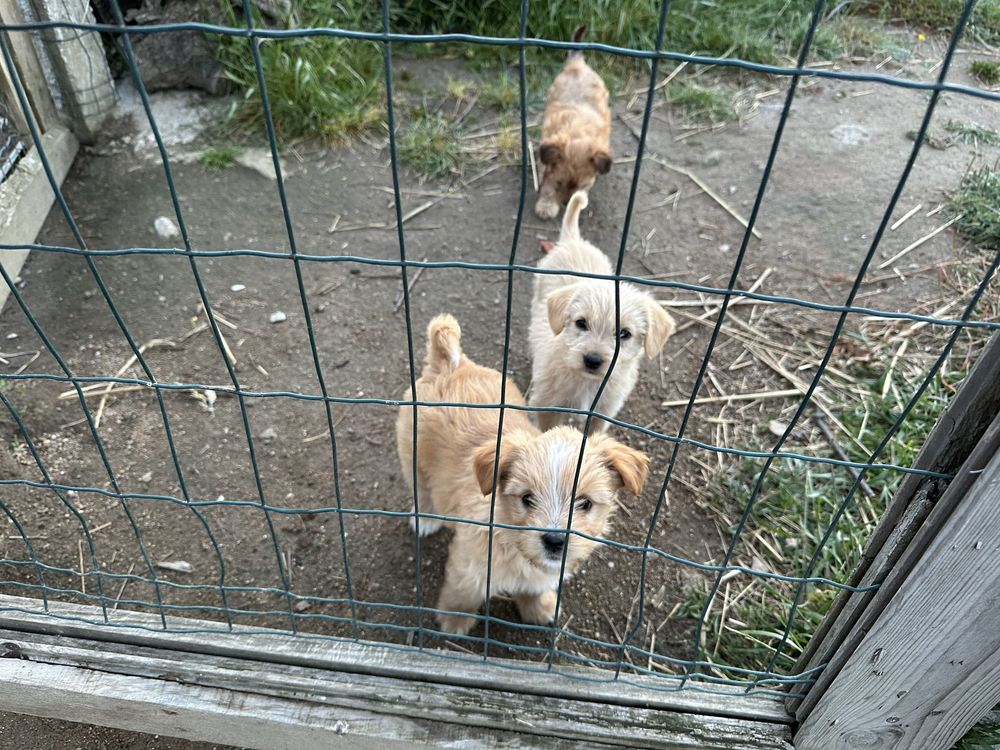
[573,328]
[576,134]
[456,451]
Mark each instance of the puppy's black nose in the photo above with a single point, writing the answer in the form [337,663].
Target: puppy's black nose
[592,361]
[553,542]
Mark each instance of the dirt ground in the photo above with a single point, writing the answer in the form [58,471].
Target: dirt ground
[19,732]
[842,154]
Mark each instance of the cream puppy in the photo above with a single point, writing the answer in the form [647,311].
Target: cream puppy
[573,328]
[456,453]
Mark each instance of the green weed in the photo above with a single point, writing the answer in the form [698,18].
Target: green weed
[219,157]
[431,146]
[793,511]
[502,92]
[760,30]
[710,103]
[984,736]
[941,15]
[316,85]
[986,71]
[977,201]
[970,132]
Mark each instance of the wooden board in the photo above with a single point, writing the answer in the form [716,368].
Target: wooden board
[961,428]
[145,629]
[29,69]
[914,534]
[8,96]
[262,705]
[929,668]
[26,197]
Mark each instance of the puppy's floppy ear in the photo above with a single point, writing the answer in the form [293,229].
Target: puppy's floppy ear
[630,465]
[661,328]
[549,152]
[601,161]
[484,457]
[558,306]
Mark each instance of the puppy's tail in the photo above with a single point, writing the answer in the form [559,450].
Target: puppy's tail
[578,35]
[571,219]
[444,347]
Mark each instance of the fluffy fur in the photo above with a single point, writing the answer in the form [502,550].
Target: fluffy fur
[576,134]
[573,322]
[456,452]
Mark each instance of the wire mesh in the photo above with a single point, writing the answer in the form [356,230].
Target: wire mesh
[696,672]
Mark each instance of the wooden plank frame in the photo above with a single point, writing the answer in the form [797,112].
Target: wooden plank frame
[960,443]
[929,667]
[29,72]
[908,550]
[26,197]
[269,689]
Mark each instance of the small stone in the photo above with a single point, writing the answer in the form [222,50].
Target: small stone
[260,161]
[237,287]
[713,158]
[725,248]
[302,605]
[146,478]
[278,317]
[268,435]
[11,336]
[166,228]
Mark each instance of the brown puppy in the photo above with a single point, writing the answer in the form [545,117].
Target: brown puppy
[576,134]
[456,453]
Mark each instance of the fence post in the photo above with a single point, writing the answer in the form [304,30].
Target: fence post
[928,667]
[29,70]
[25,194]
[960,436]
[80,66]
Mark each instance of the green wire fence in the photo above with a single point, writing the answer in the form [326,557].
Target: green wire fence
[37,578]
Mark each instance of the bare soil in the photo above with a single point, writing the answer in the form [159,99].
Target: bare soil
[825,199]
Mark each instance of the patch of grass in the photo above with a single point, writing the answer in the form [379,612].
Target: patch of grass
[986,71]
[977,200]
[760,30]
[984,736]
[699,102]
[795,506]
[501,92]
[333,87]
[219,157]
[970,132]
[318,86]
[431,146]
[941,15]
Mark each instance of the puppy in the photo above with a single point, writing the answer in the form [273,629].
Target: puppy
[576,134]
[456,452]
[572,330]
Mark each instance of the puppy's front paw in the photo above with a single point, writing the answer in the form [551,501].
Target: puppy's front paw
[538,610]
[546,208]
[456,624]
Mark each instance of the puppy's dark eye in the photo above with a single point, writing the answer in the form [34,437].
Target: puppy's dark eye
[581,323]
[626,334]
[528,500]
[584,505]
